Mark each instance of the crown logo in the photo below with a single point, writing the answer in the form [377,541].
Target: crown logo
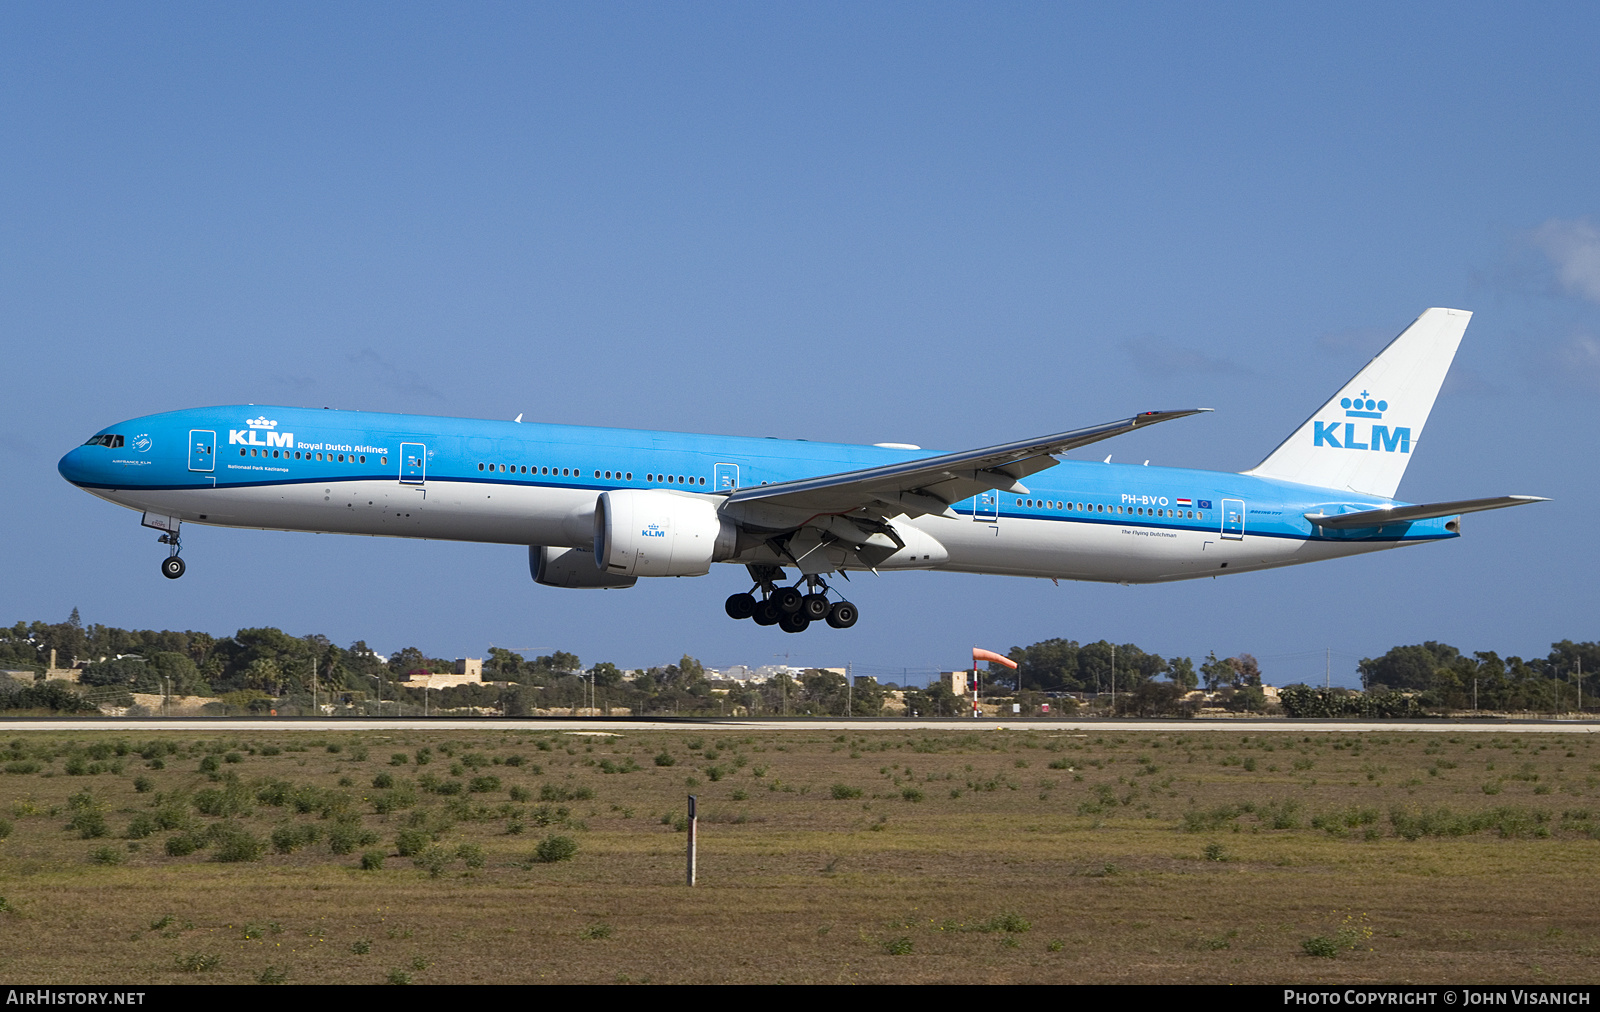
[262,422]
[1357,407]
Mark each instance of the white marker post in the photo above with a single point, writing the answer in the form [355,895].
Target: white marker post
[692,823]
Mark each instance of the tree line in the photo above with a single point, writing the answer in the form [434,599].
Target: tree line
[263,669]
[266,668]
[1406,680]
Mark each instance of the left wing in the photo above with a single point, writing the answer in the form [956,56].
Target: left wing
[930,485]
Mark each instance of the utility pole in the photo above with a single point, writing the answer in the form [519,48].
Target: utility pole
[1327,671]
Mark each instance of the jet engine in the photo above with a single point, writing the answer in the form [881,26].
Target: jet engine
[571,567]
[647,532]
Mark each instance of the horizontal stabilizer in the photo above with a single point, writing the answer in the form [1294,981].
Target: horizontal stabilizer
[1427,511]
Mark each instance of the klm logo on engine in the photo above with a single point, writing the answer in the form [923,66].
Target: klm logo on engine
[653,531]
[258,427]
[1349,435]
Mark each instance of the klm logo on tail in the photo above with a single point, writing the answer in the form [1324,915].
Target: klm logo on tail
[1378,437]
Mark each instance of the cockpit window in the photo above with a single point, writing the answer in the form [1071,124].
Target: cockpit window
[115,442]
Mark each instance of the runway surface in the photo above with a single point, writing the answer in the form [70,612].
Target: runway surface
[623,725]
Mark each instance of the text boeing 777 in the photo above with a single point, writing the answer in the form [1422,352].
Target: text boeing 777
[603,507]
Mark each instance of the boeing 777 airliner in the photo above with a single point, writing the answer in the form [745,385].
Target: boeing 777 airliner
[603,507]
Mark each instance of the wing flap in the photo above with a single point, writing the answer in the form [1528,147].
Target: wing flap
[1426,511]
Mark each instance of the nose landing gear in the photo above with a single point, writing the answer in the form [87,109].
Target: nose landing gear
[786,607]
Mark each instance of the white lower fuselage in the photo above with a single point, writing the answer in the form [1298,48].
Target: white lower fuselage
[1061,545]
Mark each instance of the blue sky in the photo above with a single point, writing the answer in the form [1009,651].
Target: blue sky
[950,225]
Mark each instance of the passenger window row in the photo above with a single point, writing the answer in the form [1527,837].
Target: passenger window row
[1142,511]
[326,457]
[573,472]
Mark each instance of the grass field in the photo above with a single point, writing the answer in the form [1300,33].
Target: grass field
[874,856]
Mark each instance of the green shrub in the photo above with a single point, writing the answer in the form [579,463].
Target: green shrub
[288,838]
[1010,922]
[844,792]
[233,799]
[272,975]
[471,855]
[88,816]
[664,758]
[173,816]
[484,784]
[900,946]
[555,848]
[372,860]
[1195,821]
[561,792]
[521,794]
[595,932]
[233,844]
[106,855]
[1320,946]
[347,835]
[411,842]
[182,845]
[383,781]
[144,824]
[391,801]
[911,794]
[432,859]
[198,962]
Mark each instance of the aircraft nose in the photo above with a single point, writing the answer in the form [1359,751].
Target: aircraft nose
[77,466]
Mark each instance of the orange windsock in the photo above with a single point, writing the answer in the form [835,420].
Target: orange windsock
[980,654]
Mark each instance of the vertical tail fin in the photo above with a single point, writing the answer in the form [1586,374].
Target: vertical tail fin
[1362,439]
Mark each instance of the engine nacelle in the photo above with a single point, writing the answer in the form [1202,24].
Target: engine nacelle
[646,532]
[571,567]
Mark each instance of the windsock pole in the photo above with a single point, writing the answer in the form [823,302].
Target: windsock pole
[976,712]
[980,654]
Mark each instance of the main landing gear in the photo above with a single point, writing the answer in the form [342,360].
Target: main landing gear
[172,567]
[788,608]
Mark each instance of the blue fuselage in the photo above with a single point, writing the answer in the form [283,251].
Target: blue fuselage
[535,484]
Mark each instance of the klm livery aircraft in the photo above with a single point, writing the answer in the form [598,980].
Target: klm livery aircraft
[604,507]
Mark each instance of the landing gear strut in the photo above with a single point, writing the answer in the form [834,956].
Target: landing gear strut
[787,607]
[172,567]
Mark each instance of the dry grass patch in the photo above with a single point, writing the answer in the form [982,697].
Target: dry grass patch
[443,857]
